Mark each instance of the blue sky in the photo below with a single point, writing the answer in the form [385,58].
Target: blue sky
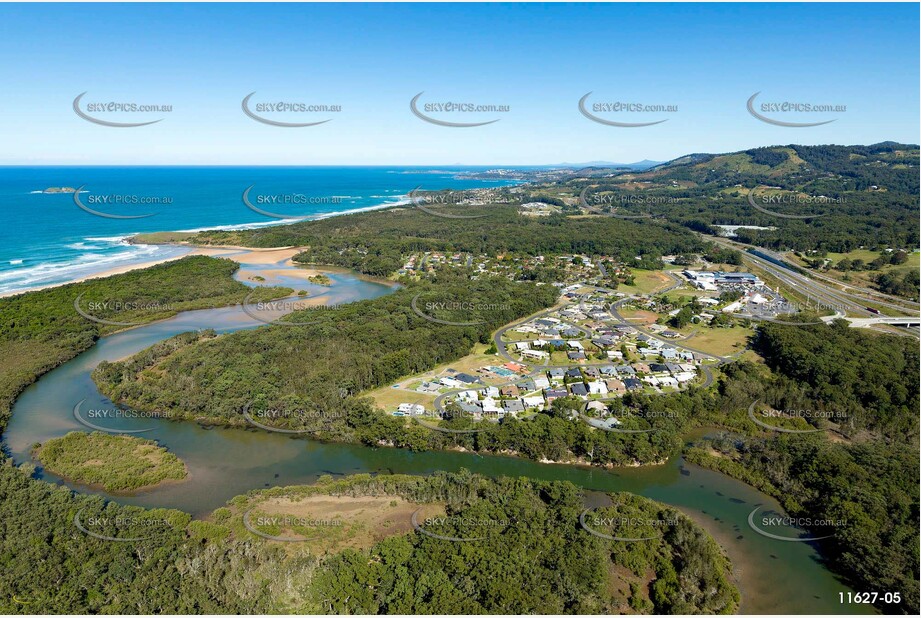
[372,59]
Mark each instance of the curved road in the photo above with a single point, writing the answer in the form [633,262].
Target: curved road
[536,369]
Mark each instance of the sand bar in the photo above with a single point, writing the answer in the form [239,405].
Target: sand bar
[243,255]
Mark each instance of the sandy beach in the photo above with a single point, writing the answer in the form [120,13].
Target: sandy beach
[243,255]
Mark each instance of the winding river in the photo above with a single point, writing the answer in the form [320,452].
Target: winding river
[774,576]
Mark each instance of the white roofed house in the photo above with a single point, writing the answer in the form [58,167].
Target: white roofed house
[596,406]
[533,401]
[411,409]
[597,388]
[668,381]
[489,406]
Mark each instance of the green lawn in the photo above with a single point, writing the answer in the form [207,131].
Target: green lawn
[864,278]
[719,341]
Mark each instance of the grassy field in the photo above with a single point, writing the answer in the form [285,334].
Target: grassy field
[646,282]
[388,398]
[863,278]
[689,293]
[333,523]
[857,254]
[513,336]
[639,317]
[115,463]
[719,341]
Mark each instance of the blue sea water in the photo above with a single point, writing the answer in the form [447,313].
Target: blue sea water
[48,239]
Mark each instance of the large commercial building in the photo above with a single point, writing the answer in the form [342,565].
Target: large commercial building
[708,280]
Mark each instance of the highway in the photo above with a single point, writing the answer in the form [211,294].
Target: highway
[801,284]
[867,322]
[841,302]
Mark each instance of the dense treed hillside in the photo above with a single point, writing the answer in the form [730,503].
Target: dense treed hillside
[863,387]
[867,381]
[350,349]
[51,566]
[865,196]
[539,563]
[823,169]
[870,486]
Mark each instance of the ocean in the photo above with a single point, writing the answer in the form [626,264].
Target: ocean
[47,238]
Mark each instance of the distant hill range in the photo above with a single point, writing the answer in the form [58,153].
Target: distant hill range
[888,166]
[830,198]
[645,164]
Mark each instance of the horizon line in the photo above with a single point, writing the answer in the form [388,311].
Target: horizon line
[428,165]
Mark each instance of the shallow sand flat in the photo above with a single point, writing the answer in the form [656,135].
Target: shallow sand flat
[249,256]
[271,275]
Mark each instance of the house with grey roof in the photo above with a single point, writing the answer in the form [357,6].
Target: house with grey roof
[578,389]
[472,408]
[604,342]
[633,384]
